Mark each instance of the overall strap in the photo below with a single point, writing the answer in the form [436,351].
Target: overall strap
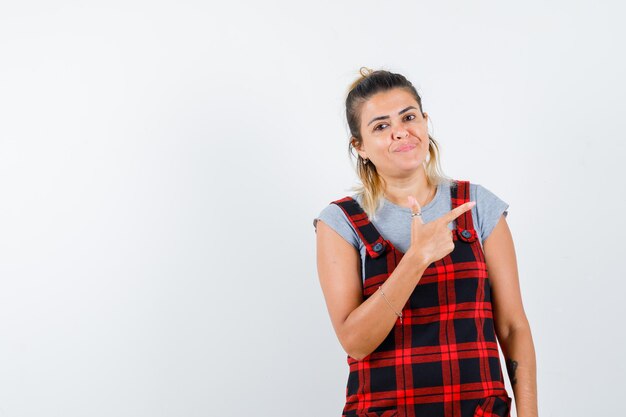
[460,194]
[375,244]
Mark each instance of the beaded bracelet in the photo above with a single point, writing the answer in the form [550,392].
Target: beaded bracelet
[380,287]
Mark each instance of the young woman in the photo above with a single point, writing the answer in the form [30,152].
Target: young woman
[419,273]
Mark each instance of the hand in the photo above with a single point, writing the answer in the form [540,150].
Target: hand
[432,241]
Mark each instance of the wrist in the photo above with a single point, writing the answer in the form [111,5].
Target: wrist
[417,260]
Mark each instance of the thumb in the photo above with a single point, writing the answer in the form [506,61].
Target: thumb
[415,208]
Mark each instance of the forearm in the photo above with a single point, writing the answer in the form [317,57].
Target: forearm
[519,353]
[369,324]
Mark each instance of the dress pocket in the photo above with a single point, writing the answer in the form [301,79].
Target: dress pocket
[386,413]
[382,413]
[494,406]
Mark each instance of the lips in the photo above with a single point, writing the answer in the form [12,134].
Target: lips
[404,148]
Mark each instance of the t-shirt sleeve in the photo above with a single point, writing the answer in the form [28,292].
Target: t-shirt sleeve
[335,217]
[489,207]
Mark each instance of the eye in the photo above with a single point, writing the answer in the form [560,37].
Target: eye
[412,116]
[377,126]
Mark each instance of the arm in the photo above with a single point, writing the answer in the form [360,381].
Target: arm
[360,326]
[511,324]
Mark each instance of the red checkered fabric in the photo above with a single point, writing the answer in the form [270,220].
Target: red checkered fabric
[442,360]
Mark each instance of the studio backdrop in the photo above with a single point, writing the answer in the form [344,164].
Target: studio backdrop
[161,164]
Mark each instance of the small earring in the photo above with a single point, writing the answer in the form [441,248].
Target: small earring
[365,161]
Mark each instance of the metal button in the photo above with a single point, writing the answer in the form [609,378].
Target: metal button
[466,233]
[378,247]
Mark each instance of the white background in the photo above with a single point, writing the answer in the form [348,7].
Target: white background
[161,164]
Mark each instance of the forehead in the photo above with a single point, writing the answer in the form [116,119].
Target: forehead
[387,103]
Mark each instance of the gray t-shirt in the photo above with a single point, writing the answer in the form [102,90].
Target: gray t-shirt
[394,222]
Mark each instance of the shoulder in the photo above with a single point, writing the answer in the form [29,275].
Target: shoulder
[335,217]
[484,195]
[488,210]
[330,214]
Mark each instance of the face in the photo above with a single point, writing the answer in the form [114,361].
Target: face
[394,132]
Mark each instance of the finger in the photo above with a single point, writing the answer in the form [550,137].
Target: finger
[415,208]
[454,213]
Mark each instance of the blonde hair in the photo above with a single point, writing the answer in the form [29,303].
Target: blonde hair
[371,189]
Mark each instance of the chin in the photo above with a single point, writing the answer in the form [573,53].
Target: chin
[410,167]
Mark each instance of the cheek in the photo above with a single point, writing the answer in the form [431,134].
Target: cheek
[422,133]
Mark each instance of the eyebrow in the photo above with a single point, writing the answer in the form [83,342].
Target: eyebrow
[386,117]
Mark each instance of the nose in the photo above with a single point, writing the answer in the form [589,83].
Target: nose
[400,133]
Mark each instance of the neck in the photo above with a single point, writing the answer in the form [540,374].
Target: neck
[397,190]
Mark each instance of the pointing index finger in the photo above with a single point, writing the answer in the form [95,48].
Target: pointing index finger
[456,212]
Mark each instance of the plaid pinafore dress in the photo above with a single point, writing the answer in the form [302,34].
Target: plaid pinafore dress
[442,360]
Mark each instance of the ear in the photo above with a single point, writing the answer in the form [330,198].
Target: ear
[426,116]
[359,149]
